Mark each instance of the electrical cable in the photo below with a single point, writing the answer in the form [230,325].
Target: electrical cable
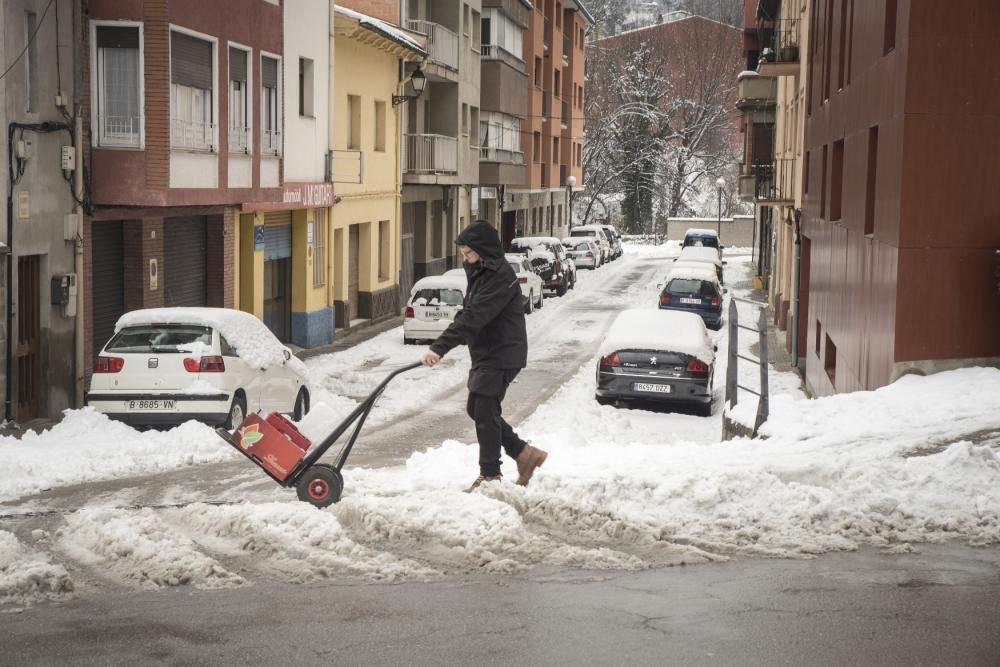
[31,39]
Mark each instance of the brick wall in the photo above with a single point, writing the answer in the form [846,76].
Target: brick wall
[157,88]
[221,231]
[387,10]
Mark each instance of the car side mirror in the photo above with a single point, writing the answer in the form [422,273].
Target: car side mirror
[288,354]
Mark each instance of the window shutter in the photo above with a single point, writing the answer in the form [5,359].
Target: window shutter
[269,73]
[190,61]
[110,37]
[237,64]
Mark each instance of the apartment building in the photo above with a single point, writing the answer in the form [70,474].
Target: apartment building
[554,54]
[899,214]
[441,142]
[39,237]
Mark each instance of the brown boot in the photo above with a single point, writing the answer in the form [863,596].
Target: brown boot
[482,479]
[529,459]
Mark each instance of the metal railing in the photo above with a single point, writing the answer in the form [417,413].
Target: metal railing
[732,370]
[431,154]
[782,42]
[492,154]
[239,140]
[442,44]
[119,131]
[496,52]
[192,135]
[345,166]
[270,142]
[776,181]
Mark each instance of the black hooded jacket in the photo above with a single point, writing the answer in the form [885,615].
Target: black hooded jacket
[491,322]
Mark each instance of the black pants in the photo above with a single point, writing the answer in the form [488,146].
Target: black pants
[487,388]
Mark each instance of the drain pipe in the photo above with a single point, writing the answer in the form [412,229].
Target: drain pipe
[81,319]
[797,215]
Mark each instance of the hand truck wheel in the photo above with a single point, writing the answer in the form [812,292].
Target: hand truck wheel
[320,485]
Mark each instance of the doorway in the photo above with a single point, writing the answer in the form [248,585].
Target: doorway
[28,351]
[508,227]
[353,271]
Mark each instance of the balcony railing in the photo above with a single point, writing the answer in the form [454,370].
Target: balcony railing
[780,56]
[775,183]
[755,91]
[431,154]
[270,142]
[492,154]
[119,131]
[495,52]
[239,140]
[192,135]
[442,44]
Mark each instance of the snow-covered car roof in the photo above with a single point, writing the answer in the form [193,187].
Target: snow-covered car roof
[441,282]
[664,330]
[595,228]
[515,257]
[456,273]
[701,232]
[573,240]
[700,254]
[693,271]
[250,337]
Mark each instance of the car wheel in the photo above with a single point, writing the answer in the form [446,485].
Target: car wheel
[705,410]
[529,307]
[561,290]
[301,408]
[541,301]
[320,485]
[604,400]
[409,341]
[237,411]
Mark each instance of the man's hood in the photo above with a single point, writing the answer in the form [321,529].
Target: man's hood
[481,237]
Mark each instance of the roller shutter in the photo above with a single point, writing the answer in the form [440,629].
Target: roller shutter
[277,235]
[185,258]
[107,280]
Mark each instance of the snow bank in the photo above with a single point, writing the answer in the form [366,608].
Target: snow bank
[441,282]
[667,330]
[27,576]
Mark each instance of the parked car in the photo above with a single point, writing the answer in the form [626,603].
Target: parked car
[549,259]
[433,304]
[599,237]
[657,355]
[702,254]
[164,366]
[531,283]
[694,288]
[584,250]
[702,238]
[606,232]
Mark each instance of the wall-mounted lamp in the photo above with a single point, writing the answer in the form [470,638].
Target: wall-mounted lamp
[418,79]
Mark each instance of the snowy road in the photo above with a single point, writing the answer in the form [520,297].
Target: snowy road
[623,490]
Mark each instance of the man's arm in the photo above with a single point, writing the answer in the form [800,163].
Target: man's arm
[487,302]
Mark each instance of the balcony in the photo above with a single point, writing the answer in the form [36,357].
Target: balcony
[755,91]
[492,154]
[780,56]
[192,135]
[431,154]
[495,52]
[442,44]
[774,184]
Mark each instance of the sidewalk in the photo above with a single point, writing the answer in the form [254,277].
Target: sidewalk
[353,336]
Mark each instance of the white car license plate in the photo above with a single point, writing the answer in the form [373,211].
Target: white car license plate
[152,405]
[654,388]
[696,302]
[438,315]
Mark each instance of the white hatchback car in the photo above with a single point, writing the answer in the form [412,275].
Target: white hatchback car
[165,366]
[434,303]
[531,282]
[584,250]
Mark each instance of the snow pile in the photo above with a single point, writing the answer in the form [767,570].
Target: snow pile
[664,330]
[140,547]
[441,282]
[87,446]
[252,340]
[27,576]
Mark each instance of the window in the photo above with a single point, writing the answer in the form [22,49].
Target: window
[117,85]
[871,180]
[380,126]
[830,360]
[239,103]
[850,44]
[465,22]
[354,122]
[31,60]
[558,87]
[319,248]
[538,72]
[842,64]
[819,336]
[558,13]
[805,174]
[477,30]
[270,106]
[555,149]
[499,31]
[192,93]
[465,120]
[306,87]
[536,147]
[837,184]
[889,39]
[384,239]
[828,50]
[500,137]
[474,140]
[822,187]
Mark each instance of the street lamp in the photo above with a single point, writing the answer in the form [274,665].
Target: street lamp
[419,80]
[720,183]
[570,182]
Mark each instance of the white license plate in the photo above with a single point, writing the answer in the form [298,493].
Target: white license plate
[437,315]
[695,302]
[152,405]
[654,388]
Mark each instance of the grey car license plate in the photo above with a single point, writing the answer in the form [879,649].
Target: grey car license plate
[438,315]
[152,405]
[652,388]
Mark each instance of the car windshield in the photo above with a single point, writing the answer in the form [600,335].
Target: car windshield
[160,338]
[582,247]
[517,267]
[707,241]
[437,297]
[689,286]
